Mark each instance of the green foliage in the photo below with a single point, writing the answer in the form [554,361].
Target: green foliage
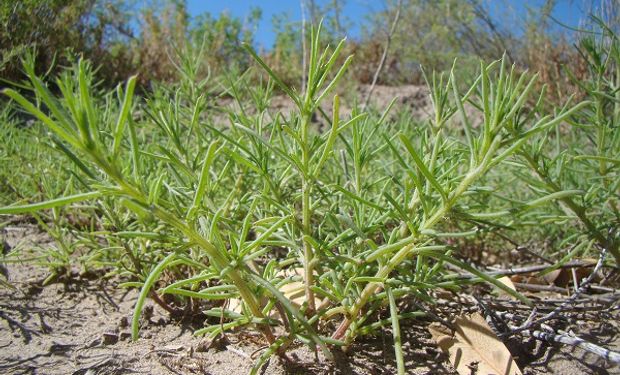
[431,34]
[287,53]
[586,157]
[286,56]
[224,37]
[168,33]
[196,202]
[59,29]
[196,207]
[101,32]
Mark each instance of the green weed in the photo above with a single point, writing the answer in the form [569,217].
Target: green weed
[209,204]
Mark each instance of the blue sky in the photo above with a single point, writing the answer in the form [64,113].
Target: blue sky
[567,11]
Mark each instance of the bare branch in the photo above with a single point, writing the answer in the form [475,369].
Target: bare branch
[565,338]
[385,53]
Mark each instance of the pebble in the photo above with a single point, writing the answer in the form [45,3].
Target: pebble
[109,338]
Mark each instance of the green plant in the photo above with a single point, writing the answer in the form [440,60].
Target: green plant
[58,29]
[436,33]
[79,123]
[229,208]
[586,156]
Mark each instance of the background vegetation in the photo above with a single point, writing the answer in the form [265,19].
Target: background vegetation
[122,39]
[159,157]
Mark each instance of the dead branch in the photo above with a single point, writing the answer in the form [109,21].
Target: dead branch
[561,307]
[388,41]
[531,269]
[567,339]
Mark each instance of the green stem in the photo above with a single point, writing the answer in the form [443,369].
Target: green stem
[398,350]
[307,216]
[577,209]
[404,252]
[218,259]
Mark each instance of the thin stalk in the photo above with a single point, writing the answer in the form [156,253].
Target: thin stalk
[384,54]
[307,217]
[398,349]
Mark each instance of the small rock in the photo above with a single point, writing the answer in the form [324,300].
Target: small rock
[125,336]
[109,338]
[123,322]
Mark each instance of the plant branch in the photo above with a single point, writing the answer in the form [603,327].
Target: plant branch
[565,338]
[388,41]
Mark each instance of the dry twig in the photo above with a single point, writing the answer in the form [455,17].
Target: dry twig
[384,55]
[567,339]
[529,323]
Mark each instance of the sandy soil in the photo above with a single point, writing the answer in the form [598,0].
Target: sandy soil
[79,325]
